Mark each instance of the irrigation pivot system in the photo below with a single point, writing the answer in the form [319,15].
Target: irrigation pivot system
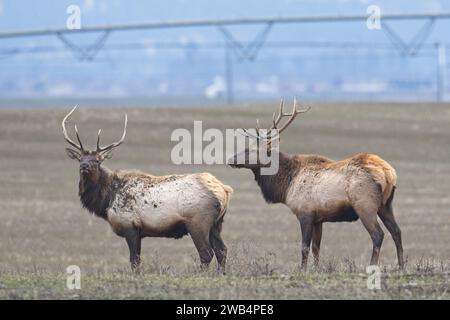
[243,50]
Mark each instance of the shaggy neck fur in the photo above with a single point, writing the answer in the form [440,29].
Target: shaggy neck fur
[275,187]
[97,196]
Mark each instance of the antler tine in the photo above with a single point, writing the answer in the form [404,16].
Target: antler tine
[299,111]
[249,134]
[276,120]
[293,115]
[280,115]
[78,137]
[98,138]
[66,136]
[115,144]
[257,127]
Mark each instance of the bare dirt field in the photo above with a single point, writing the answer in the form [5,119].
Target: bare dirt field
[43,228]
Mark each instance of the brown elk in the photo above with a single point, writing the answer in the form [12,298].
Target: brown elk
[318,189]
[139,205]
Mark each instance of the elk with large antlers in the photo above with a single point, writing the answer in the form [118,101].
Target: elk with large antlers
[318,189]
[139,205]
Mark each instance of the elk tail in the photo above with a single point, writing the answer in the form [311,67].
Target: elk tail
[228,191]
[391,182]
[391,198]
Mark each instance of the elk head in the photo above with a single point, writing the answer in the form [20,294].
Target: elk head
[90,161]
[258,154]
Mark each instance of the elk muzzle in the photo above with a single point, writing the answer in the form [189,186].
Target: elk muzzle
[85,167]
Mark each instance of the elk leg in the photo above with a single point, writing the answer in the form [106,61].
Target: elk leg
[306,225]
[386,215]
[134,245]
[218,246]
[201,242]
[316,238]
[368,217]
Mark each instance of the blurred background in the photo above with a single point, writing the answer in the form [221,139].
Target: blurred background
[340,60]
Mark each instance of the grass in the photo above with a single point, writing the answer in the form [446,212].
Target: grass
[346,281]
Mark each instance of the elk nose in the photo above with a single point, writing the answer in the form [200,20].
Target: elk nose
[84,166]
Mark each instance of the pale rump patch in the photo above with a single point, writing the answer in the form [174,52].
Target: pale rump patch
[381,171]
[221,191]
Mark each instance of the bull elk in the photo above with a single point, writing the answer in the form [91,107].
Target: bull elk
[318,189]
[139,205]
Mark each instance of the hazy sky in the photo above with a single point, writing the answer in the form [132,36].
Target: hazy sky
[26,14]
[126,72]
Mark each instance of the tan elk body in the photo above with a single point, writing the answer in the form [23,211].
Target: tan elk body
[139,205]
[318,190]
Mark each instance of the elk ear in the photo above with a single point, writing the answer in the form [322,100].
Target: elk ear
[105,155]
[73,154]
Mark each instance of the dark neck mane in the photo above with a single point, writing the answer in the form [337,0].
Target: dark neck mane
[97,196]
[274,187]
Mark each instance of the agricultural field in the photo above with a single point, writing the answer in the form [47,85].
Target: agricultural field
[43,228]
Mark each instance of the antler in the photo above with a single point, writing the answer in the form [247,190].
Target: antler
[99,148]
[72,143]
[115,144]
[276,120]
[248,133]
[292,116]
